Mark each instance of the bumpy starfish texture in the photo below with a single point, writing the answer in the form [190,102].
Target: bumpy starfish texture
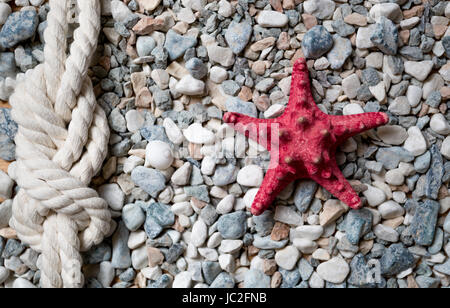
[303,142]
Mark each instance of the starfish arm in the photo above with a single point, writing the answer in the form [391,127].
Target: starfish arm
[259,130]
[300,97]
[337,184]
[274,182]
[347,126]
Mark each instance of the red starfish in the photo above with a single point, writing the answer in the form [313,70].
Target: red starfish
[307,143]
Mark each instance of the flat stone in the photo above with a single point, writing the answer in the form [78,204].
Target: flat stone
[19,26]
[238,35]
[342,49]
[395,259]
[423,224]
[392,134]
[304,194]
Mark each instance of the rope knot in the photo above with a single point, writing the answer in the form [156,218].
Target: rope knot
[61,143]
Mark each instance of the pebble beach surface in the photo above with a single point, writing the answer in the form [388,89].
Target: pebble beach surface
[180,183]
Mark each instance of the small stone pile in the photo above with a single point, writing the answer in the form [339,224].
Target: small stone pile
[180,183]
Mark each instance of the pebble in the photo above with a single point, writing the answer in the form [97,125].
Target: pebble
[309,232]
[386,233]
[113,195]
[218,74]
[182,280]
[190,86]
[423,224]
[150,180]
[5,213]
[316,42]
[439,124]
[390,210]
[199,233]
[223,280]
[415,143]
[233,225]
[256,279]
[145,45]
[120,257]
[251,175]
[196,68]
[19,26]
[158,154]
[394,177]
[221,55]
[350,85]
[414,95]
[388,10]
[5,11]
[133,216]
[272,19]
[238,35]
[445,148]
[419,70]
[334,270]
[395,259]
[385,36]
[287,257]
[197,134]
[239,106]
[21,283]
[322,9]
[392,134]
[342,49]
[176,44]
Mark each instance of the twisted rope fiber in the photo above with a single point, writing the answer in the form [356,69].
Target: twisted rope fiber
[60,145]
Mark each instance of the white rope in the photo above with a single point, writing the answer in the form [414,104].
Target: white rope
[60,145]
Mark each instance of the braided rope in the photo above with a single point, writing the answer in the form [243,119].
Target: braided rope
[60,145]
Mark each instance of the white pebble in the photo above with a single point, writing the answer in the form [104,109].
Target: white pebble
[386,233]
[439,124]
[158,154]
[225,205]
[6,186]
[199,233]
[309,232]
[287,257]
[390,210]
[218,74]
[272,19]
[374,195]
[172,131]
[352,108]
[182,280]
[334,271]
[197,134]
[394,177]
[415,143]
[182,176]
[306,246]
[190,86]
[135,120]
[251,175]
[445,148]
[113,195]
